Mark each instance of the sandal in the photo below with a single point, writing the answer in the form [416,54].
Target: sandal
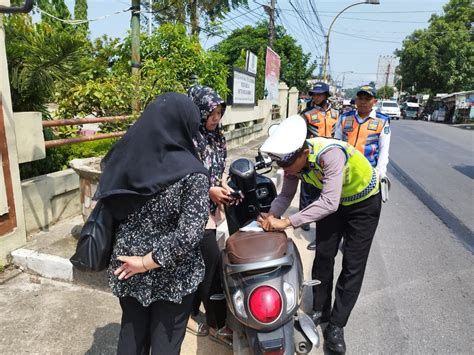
[197,328]
[222,336]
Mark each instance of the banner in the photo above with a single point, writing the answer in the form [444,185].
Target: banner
[272,75]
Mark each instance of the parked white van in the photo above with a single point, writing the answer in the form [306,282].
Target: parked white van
[390,108]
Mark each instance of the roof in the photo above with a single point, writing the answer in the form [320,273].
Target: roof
[459,93]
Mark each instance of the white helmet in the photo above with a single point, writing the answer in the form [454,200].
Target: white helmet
[286,140]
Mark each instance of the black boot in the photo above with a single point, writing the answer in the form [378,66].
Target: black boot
[311,246]
[318,318]
[334,338]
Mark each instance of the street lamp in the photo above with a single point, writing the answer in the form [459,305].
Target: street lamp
[372,2]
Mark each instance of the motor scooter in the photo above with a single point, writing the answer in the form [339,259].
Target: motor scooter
[262,273]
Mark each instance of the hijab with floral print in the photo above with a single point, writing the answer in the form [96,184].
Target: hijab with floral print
[211,145]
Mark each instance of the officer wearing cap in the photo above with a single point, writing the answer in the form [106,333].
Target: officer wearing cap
[367,130]
[321,119]
[349,205]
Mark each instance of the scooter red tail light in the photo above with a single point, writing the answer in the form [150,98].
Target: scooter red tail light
[265,304]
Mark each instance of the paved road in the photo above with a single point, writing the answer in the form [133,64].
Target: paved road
[436,162]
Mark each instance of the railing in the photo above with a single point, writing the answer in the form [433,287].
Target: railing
[80,121]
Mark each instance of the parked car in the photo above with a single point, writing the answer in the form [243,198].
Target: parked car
[410,110]
[390,108]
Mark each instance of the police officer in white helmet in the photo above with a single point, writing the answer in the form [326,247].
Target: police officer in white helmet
[349,205]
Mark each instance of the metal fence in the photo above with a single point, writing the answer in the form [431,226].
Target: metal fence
[81,121]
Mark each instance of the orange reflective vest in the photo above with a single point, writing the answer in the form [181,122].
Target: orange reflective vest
[321,123]
[363,136]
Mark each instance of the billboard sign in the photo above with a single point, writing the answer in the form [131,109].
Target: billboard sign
[272,75]
[242,85]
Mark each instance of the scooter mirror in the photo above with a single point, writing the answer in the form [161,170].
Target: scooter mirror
[311,282]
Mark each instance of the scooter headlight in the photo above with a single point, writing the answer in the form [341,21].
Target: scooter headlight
[239,305]
[290,296]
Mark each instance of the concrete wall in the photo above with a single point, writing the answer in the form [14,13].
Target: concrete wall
[16,238]
[29,136]
[50,198]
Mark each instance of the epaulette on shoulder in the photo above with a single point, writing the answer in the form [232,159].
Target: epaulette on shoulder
[349,113]
[382,116]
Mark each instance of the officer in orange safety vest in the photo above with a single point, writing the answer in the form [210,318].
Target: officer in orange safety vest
[321,119]
[367,130]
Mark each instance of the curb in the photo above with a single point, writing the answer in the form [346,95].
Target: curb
[46,265]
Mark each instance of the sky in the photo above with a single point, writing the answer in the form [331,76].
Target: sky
[358,37]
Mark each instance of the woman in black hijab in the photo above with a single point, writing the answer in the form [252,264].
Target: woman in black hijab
[154,182]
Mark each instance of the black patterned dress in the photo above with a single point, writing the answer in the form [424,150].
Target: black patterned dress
[170,224]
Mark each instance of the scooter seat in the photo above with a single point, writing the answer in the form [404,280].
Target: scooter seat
[252,247]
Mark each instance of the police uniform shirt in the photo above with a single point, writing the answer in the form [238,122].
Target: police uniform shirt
[383,142]
[333,161]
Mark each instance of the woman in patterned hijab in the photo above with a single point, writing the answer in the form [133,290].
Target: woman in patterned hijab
[212,150]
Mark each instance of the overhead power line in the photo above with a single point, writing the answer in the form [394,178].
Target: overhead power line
[378,12]
[78,22]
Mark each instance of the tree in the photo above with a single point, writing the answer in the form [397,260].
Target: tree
[169,58]
[441,57]
[385,92]
[80,13]
[39,59]
[296,66]
[179,11]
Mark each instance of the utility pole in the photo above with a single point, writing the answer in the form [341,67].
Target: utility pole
[270,10]
[386,79]
[135,26]
[387,74]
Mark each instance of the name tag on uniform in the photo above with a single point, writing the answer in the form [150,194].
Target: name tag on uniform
[315,119]
[373,125]
[349,125]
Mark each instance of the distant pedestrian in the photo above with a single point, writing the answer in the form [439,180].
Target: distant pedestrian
[155,184]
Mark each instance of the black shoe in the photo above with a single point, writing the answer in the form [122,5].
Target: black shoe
[318,318]
[305,227]
[311,246]
[334,338]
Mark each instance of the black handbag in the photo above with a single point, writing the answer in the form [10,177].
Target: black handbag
[96,240]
